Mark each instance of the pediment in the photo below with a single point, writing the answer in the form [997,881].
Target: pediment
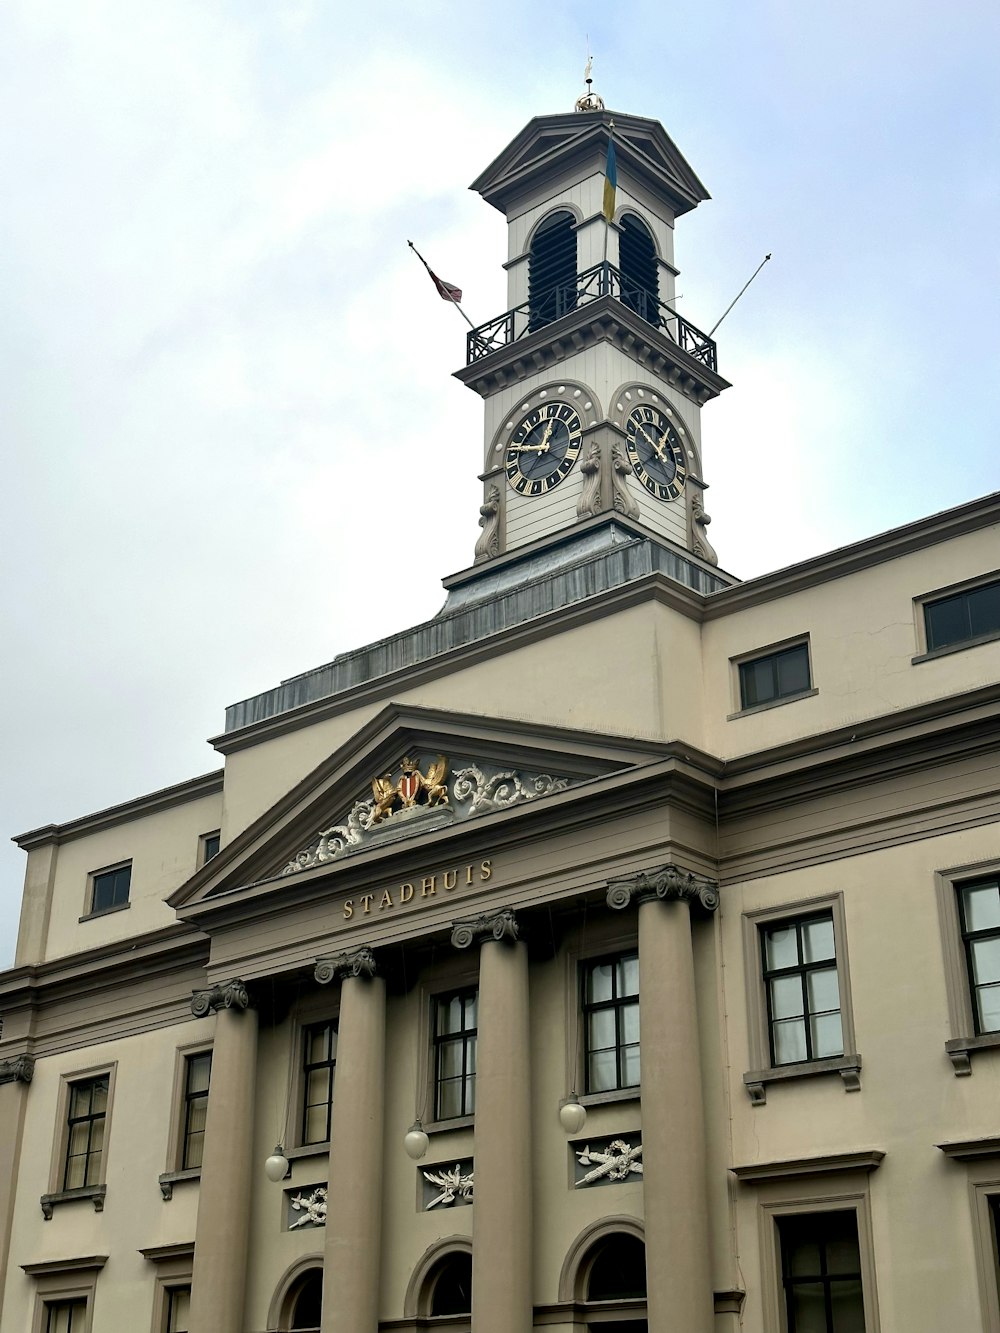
[409,773]
[548,143]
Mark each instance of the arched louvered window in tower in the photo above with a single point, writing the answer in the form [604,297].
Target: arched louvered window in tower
[637,261]
[552,270]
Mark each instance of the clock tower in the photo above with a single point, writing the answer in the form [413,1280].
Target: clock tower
[593,384]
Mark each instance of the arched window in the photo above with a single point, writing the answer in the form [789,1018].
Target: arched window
[448,1286]
[552,270]
[617,1269]
[607,1276]
[637,261]
[306,1301]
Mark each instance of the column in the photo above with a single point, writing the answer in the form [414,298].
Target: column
[352,1247]
[15,1076]
[502,1208]
[679,1278]
[218,1283]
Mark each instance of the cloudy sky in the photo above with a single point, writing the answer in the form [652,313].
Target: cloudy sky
[232,445]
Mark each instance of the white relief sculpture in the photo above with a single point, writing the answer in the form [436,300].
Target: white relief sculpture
[618,1161]
[454,1184]
[312,1206]
[501,790]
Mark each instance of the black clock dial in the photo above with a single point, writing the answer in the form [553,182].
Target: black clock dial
[543,448]
[655,451]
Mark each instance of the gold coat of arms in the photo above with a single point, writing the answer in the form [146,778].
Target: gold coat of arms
[411,790]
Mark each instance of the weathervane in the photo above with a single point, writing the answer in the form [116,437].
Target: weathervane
[590,101]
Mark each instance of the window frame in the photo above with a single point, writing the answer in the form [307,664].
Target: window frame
[771,650]
[440,1040]
[596,938]
[798,1188]
[617,1004]
[58,1281]
[800,971]
[458,972]
[175,1171]
[920,604]
[964,1040]
[204,840]
[57,1192]
[89,910]
[763,1071]
[302,1046]
[174,1268]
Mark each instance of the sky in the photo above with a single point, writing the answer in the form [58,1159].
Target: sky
[232,445]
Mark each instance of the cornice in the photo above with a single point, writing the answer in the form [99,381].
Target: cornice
[112,964]
[865,1159]
[605,319]
[845,560]
[179,794]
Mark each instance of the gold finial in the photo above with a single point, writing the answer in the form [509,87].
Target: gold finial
[590,101]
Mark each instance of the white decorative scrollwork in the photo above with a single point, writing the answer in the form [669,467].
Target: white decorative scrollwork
[500,790]
[334,840]
[312,1206]
[454,1184]
[617,1161]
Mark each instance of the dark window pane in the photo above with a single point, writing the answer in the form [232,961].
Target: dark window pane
[111,889]
[210,845]
[308,1309]
[450,1284]
[984,609]
[618,1270]
[793,670]
[947,622]
[774,676]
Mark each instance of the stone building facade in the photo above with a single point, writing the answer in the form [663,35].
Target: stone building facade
[618,950]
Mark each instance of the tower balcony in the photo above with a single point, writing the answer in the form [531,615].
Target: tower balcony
[593,283]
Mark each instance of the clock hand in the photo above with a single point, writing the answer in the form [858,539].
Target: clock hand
[656,448]
[530,448]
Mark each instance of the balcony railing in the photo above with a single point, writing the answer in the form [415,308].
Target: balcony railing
[601,280]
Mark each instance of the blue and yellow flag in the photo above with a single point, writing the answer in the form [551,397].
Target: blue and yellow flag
[610,182]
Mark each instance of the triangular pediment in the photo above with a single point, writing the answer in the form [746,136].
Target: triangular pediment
[549,145]
[410,773]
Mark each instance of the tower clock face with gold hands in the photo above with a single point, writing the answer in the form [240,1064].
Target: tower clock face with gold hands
[656,453]
[543,448]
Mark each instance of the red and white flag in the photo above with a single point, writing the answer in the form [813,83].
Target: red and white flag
[446,290]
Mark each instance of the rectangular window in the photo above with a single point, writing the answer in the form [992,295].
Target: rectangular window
[109,888]
[178,1310]
[319,1061]
[88,1107]
[197,1073]
[777,675]
[611,1023]
[821,1273]
[210,844]
[455,1020]
[963,617]
[979,913]
[65,1316]
[803,990]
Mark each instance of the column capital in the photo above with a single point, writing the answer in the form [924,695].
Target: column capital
[230,994]
[17,1069]
[498,925]
[670,883]
[355,963]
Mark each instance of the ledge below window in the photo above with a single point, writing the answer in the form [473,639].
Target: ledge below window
[171,1178]
[847,1066]
[95,1193]
[771,703]
[961,1049]
[105,911]
[606,1098]
[308,1150]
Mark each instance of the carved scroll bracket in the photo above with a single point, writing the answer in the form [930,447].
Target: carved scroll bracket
[356,963]
[17,1069]
[229,995]
[499,925]
[590,495]
[670,883]
[488,544]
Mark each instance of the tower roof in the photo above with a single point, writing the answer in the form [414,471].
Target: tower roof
[579,140]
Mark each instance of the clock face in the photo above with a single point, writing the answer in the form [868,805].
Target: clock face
[543,447]
[655,452]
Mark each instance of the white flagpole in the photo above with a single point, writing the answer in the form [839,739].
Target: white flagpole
[447,294]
